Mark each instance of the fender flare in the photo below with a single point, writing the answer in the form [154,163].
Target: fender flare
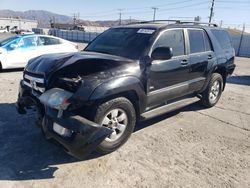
[213,70]
[119,86]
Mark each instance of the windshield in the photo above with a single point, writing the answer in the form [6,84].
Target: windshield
[6,41]
[125,42]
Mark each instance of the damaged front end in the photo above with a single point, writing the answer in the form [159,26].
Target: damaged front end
[78,135]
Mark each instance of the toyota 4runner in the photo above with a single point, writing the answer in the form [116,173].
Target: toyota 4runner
[91,100]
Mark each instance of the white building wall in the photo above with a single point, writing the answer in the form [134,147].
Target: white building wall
[19,23]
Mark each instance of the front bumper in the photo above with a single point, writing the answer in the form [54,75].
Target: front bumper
[86,135]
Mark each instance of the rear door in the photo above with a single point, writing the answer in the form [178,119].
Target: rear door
[168,79]
[48,45]
[201,56]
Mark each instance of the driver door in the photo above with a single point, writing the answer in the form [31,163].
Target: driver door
[168,79]
[25,50]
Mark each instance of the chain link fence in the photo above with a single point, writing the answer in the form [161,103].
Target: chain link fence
[241,44]
[77,36]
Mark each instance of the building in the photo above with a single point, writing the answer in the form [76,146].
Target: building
[78,27]
[20,24]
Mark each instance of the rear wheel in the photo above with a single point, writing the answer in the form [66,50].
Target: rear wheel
[213,92]
[1,68]
[119,116]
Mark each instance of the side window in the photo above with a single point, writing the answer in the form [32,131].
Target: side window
[45,41]
[173,39]
[28,42]
[223,38]
[196,41]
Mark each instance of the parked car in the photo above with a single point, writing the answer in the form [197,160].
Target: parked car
[16,51]
[24,32]
[91,100]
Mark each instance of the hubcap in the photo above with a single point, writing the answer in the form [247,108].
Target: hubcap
[215,91]
[117,121]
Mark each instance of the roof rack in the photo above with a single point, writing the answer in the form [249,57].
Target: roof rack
[178,22]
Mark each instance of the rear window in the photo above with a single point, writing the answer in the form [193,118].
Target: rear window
[45,41]
[223,38]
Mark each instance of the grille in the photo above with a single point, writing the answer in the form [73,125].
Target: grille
[34,81]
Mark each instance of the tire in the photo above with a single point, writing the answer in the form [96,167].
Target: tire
[212,94]
[104,113]
[1,68]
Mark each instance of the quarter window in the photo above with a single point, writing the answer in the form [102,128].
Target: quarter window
[173,39]
[223,38]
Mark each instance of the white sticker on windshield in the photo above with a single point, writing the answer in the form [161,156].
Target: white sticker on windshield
[146,31]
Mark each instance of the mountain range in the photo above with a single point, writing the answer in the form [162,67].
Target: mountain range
[45,17]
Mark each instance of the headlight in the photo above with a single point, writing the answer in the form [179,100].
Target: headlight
[56,98]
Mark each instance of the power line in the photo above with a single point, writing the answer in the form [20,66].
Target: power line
[238,2]
[186,6]
[144,9]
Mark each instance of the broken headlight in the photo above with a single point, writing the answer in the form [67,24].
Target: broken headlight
[56,98]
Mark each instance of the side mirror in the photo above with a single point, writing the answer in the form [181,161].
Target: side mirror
[162,53]
[13,46]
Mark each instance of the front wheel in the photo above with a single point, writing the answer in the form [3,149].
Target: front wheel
[119,116]
[213,92]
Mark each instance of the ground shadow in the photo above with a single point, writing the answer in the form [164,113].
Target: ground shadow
[239,80]
[24,152]
[11,70]
[26,155]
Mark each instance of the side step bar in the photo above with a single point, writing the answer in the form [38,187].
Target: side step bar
[169,107]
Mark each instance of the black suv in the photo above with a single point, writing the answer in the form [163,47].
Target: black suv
[91,100]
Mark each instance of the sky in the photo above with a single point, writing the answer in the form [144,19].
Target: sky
[232,12]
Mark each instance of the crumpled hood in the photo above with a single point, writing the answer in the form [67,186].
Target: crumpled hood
[87,61]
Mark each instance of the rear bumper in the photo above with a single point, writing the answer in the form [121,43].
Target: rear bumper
[85,135]
[230,69]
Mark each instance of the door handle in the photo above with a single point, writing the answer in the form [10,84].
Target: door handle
[184,62]
[210,57]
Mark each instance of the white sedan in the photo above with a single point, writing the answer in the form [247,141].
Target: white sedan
[15,52]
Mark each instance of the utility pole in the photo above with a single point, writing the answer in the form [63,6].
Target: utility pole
[241,38]
[211,12]
[74,19]
[120,16]
[78,18]
[155,9]
[221,23]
